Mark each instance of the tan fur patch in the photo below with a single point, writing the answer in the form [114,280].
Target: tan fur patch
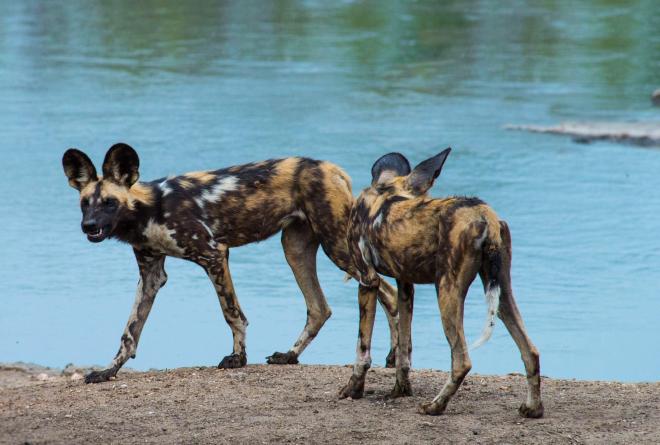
[202,177]
[126,197]
[338,188]
[185,184]
[88,190]
[279,190]
[287,167]
[160,238]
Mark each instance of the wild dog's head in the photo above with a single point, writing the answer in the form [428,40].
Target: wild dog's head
[105,201]
[391,175]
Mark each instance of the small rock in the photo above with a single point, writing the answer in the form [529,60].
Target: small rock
[76,376]
[42,377]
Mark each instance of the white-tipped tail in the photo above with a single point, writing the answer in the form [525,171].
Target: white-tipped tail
[493,302]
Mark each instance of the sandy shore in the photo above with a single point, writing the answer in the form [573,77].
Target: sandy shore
[298,404]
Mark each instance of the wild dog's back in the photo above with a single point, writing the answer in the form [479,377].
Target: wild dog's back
[251,202]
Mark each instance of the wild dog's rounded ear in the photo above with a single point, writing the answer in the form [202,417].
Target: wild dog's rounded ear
[78,168]
[389,166]
[422,177]
[121,165]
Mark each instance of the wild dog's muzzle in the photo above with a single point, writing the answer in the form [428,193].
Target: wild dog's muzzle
[95,232]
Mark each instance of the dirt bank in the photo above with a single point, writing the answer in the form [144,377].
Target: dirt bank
[297,403]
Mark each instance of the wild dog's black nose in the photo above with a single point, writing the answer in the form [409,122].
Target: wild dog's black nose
[89,226]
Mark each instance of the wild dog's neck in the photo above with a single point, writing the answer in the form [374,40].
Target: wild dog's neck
[133,220]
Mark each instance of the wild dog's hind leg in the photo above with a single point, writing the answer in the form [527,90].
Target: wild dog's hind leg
[300,248]
[367,300]
[405,302]
[152,278]
[508,311]
[460,270]
[217,268]
[451,297]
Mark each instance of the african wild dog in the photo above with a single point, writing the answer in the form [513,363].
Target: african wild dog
[198,216]
[397,230]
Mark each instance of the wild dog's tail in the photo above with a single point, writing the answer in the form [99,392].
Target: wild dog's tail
[491,269]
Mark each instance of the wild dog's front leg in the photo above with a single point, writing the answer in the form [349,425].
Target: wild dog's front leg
[152,278]
[388,300]
[367,300]
[406,292]
[218,271]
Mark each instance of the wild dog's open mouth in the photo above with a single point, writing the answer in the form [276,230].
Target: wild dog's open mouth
[96,235]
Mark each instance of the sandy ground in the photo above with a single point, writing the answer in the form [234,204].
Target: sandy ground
[298,404]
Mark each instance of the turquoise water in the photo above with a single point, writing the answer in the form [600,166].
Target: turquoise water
[193,86]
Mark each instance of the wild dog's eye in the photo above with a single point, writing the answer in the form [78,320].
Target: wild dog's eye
[111,203]
[84,204]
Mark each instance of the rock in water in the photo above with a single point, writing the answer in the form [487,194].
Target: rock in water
[638,133]
[655,97]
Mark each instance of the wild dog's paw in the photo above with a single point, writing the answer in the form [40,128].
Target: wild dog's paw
[282,358]
[100,376]
[354,389]
[233,361]
[432,408]
[401,389]
[531,413]
[390,360]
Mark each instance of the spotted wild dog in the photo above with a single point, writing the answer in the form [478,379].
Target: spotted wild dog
[198,216]
[397,230]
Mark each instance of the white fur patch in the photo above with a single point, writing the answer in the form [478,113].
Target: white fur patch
[165,187]
[493,302]
[377,222]
[159,237]
[208,229]
[369,254]
[366,255]
[225,184]
[479,241]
